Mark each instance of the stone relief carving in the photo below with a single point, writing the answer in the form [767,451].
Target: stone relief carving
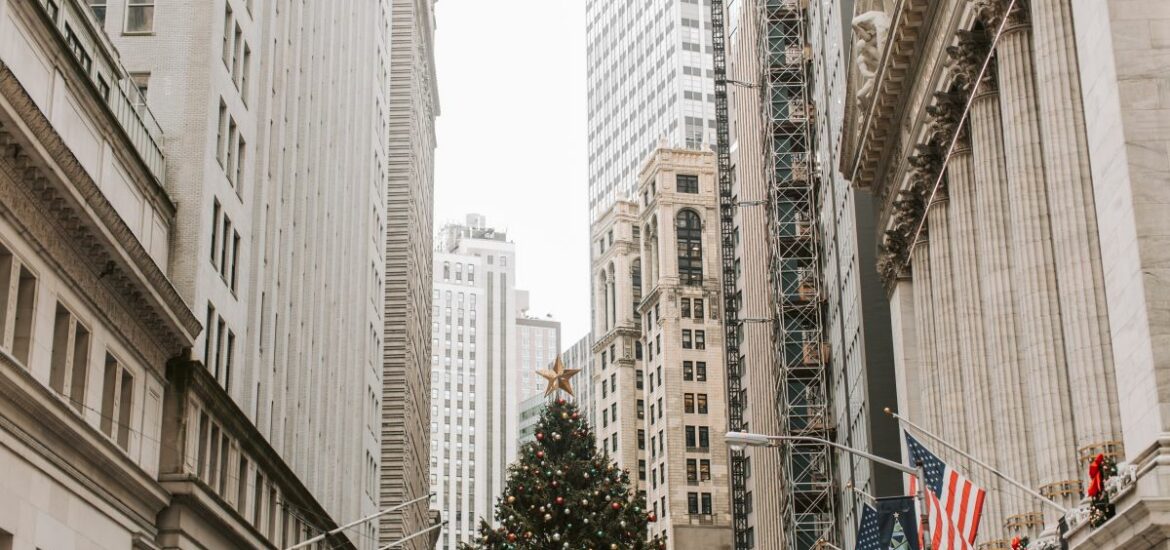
[870,31]
[992,12]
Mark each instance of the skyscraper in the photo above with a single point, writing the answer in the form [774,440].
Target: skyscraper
[412,105]
[650,84]
[480,261]
[538,341]
[659,347]
[276,118]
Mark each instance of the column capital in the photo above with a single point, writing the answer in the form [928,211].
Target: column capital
[993,12]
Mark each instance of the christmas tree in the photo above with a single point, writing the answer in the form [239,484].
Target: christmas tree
[562,493]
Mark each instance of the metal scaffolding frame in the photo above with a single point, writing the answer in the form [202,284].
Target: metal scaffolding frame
[802,353]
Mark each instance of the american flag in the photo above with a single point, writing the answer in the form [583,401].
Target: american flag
[869,531]
[955,504]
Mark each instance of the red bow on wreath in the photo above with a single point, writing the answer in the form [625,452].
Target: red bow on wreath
[1016,543]
[1095,476]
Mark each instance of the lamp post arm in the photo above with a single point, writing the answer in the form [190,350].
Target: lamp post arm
[903,420]
[872,457]
[322,536]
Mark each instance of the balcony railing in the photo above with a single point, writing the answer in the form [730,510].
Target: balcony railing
[77,28]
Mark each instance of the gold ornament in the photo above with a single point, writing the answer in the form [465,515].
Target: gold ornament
[558,378]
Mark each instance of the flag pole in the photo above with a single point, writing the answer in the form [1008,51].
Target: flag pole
[924,513]
[905,421]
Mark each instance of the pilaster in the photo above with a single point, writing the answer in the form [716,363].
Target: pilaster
[928,389]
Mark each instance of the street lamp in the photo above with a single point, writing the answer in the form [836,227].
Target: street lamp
[739,440]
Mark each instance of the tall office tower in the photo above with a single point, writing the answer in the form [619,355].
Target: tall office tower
[660,347]
[412,106]
[458,462]
[1018,154]
[494,272]
[649,78]
[538,341]
[802,268]
[88,316]
[276,116]
[579,356]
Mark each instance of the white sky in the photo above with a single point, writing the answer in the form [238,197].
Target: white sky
[512,140]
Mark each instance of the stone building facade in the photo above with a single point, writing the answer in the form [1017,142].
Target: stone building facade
[658,347]
[125,422]
[1022,238]
[412,104]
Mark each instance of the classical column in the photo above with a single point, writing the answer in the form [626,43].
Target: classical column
[1014,447]
[1080,282]
[952,396]
[1040,339]
[925,332]
[976,393]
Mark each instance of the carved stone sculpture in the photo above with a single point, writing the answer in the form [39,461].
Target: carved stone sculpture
[870,31]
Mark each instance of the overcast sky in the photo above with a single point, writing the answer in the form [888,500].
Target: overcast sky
[512,140]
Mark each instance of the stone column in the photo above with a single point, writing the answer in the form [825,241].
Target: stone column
[951,393]
[925,332]
[1014,447]
[1077,252]
[976,390]
[1040,339]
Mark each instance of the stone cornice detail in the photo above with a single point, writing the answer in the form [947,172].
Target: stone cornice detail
[89,241]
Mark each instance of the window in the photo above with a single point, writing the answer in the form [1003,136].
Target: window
[700,339]
[604,386]
[688,371]
[707,504]
[698,309]
[693,504]
[704,470]
[701,403]
[701,371]
[142,84]
[117,398]
[688,403]
[689,231]
[641,409]
[704,438]
[690,436]
[604,418]
[687,183]
[642,470]
[641,439]
[638,382]
[227,46]
[687,343]
[140,16]
[16,327]
[684,307]
[221,143]
[692,470]
[70,358]
[99,10]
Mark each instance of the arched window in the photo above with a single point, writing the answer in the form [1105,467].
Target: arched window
[689,233]
[446,271]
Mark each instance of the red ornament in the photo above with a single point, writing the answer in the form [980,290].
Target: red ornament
[539,436]
[560,501]
[560,401]
[616,505]
[1095,481]
[576,416]
[539,454]
[651,517]
[511,537]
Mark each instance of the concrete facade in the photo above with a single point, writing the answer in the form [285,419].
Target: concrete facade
[114,435]
[538,341]
[659,347]
[412,104]
[1045,219]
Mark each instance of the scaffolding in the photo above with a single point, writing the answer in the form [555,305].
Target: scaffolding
[732,322]
[802,353]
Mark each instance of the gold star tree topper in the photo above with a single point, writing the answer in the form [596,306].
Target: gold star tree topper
[558,378]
